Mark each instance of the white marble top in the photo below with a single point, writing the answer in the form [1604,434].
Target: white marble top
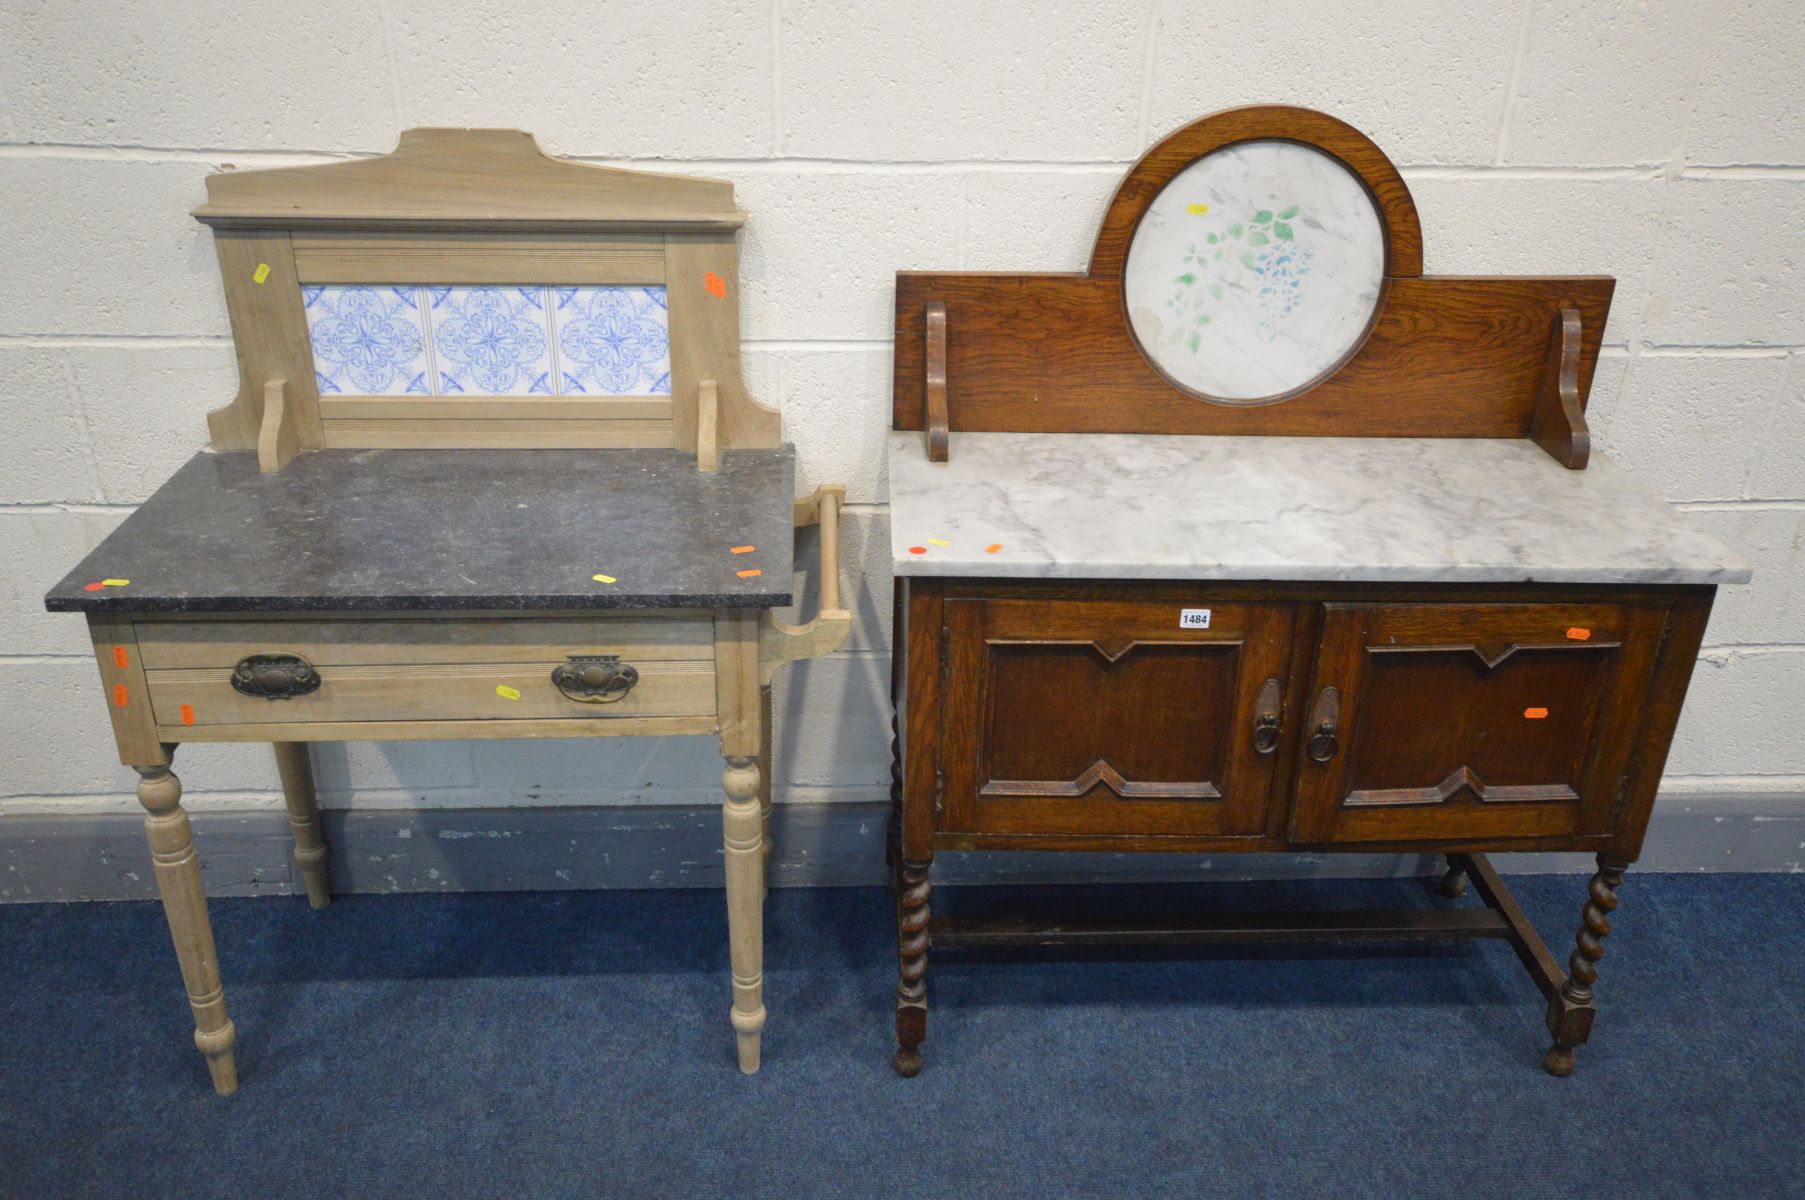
[1141,506]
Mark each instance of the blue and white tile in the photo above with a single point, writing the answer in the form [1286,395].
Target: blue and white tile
[490,341]
[368,339]
[612,341]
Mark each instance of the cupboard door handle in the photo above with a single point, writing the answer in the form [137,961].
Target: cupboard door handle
[1266,719]
[1324,719]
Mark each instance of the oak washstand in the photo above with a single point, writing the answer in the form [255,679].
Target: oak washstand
[1255,538]
[491,472]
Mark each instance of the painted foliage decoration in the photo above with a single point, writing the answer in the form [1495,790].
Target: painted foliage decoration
[1255,270]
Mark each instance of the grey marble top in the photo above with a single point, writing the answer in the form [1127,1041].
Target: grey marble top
[1140,506]
[450,529]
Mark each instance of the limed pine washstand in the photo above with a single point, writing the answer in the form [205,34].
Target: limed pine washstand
[1255,538]
[491,472]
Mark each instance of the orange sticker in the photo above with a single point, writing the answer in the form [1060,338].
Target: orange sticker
[717,287]
[918,549]
[993,547]
[1578,634]
[119,658]
[1535,714]
[187,714]
[749,574]
[92,587]
[119,694]
[743,549]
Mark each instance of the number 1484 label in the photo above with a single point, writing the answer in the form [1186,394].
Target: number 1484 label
[1193,618]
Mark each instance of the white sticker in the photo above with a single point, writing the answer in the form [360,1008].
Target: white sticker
[1193,618]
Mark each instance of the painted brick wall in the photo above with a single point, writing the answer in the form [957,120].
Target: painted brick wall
[1661,142]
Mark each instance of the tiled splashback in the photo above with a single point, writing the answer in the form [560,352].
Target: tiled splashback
[432,340]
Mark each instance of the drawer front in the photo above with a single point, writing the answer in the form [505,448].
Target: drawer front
[1108,717]
[400,669]
[1476,721]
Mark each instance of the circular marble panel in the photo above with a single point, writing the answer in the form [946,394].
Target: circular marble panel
[1255,270]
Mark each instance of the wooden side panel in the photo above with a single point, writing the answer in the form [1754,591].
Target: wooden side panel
[1447,357]
[127,696]
[1661,706]
[269,335]
[736,681]
[923,716]
[702,284]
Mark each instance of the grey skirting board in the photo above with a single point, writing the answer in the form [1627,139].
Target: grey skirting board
[103,856]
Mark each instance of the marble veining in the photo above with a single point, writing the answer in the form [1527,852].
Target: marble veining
[1142,506]
[444,340]
[1255,270]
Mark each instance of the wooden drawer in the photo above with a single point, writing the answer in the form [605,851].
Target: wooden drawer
[393,670]
[1083,717]
[1472,721]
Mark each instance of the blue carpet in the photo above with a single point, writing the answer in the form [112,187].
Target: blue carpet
[576,1044]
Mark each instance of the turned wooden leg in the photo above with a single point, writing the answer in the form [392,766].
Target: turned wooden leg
[1454,884]
[295,766]
[1573,1008]
[765,772]
[185,907]
[912,955]
[741,829]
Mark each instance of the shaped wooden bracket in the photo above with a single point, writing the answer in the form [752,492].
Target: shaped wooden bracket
[1559,423]
[934,414]
[279,437]
[780,642]
[708,426]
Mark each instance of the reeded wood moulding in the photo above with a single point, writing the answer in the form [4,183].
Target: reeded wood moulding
[1444,356]
[478,207]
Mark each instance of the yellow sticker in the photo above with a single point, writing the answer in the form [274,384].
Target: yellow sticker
[1197,210]
[603,578]
[115,582]
[506,692]
[938,542]
[261,273]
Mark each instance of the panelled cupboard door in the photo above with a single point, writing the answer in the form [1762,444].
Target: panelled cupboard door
[1072,716]
[1471,720]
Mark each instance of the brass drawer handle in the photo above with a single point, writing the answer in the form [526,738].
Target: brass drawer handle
[594,678]
[275,676]
[1324,719]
